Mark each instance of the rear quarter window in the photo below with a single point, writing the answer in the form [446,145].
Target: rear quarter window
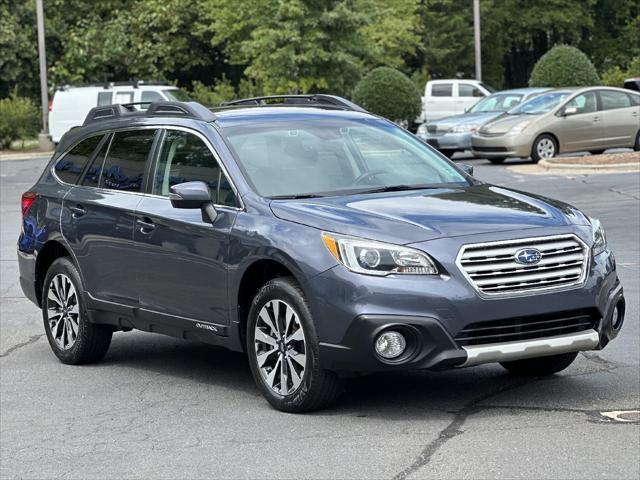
[70,166]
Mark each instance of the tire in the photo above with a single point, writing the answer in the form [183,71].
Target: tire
[316,388]
[636,147]
[545,146]
[91,341]
[448,153]
[596,152]
[540,366]
[497,161]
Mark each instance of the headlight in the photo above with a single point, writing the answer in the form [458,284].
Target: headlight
[519,127]
[377,258]
[422,130]
[599,244]
[464,128]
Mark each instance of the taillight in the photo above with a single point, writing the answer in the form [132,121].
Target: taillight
[27,200]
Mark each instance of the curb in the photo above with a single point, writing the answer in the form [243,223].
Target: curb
[24,156]
[586,166]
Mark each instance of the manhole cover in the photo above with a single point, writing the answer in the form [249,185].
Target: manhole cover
[627,416]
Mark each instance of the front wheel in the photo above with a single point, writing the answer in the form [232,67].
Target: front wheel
[73,339]
[545,146]
[540,366]
[284,352]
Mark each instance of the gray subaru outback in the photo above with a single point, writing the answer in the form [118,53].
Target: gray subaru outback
[321,240]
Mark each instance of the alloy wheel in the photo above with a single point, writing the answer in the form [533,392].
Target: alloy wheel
[63,311]
[280,347]
[546,148]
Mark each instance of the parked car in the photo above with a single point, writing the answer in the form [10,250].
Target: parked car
[321,240]
[70,104]
[564,120]
[453,134]
[444,98]
[632,84]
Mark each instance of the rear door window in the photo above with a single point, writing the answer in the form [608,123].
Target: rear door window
[70,166]
[611,100]
[184,157]
[442,90]
[125,163]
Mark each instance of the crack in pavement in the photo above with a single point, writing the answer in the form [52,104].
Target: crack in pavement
[32,339]
[453,429]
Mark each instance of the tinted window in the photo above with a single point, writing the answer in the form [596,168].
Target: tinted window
[466,90]
[104,98]
[92,175]
[70,167]
[585,103]
[441,89]
[125,162]
[186,158]
[611,100]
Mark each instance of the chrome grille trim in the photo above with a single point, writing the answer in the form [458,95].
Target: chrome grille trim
[491,268]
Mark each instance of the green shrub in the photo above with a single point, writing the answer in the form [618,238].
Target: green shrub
[389,93]
[615,76]
[564,66]
[19,119]
[214,95]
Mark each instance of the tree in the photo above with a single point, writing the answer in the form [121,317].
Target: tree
[389,93]
[18,44]
[564,66]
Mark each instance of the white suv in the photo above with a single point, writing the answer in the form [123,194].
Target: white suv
[444,98]
[70,105]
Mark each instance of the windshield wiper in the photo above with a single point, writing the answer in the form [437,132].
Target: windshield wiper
[397,188]
[294,197]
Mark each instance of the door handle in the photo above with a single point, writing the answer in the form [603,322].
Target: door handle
[77,211]
[596,119]
[146,225]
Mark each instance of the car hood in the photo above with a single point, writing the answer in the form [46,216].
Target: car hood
[420,215]
[505,123]
[466,119]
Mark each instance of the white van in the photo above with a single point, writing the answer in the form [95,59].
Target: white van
[444,98]
[70,104]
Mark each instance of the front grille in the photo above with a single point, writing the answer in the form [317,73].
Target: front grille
[490,149]
[493,270]
[431,128]
[527,328]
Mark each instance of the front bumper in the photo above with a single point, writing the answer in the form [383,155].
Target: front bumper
[449,141]
[501,146]
[351,310]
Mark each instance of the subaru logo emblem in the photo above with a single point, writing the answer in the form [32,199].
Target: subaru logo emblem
[528,256]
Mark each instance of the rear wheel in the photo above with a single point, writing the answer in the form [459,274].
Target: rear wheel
[497,161]
[545,146]
[284,352]
[540,366]
[73,339]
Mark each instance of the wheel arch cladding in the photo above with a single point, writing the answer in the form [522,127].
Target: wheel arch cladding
[50,252]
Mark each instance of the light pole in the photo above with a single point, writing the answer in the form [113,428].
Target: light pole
[476,34]
[43,138]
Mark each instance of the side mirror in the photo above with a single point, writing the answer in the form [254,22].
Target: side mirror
[466,168]
[190,195]
[569,111]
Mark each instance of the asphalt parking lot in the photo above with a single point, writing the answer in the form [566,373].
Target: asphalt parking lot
[157,407]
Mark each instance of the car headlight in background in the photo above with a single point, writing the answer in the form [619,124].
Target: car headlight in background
[422,130]
[599,244]
[519,127]
[377,258]
[464,128]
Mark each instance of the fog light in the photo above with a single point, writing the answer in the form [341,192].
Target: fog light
[390,344]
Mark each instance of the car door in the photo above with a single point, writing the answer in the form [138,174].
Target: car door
[620,118]
[468,96]
[98,216]
[181,273]
[582,130]
[439,101]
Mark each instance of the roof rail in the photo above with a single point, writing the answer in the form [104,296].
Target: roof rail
[155,109]
[310,100]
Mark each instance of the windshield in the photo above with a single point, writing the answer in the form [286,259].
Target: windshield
[540,104]
[337,156]
[177,95]
[498,102]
